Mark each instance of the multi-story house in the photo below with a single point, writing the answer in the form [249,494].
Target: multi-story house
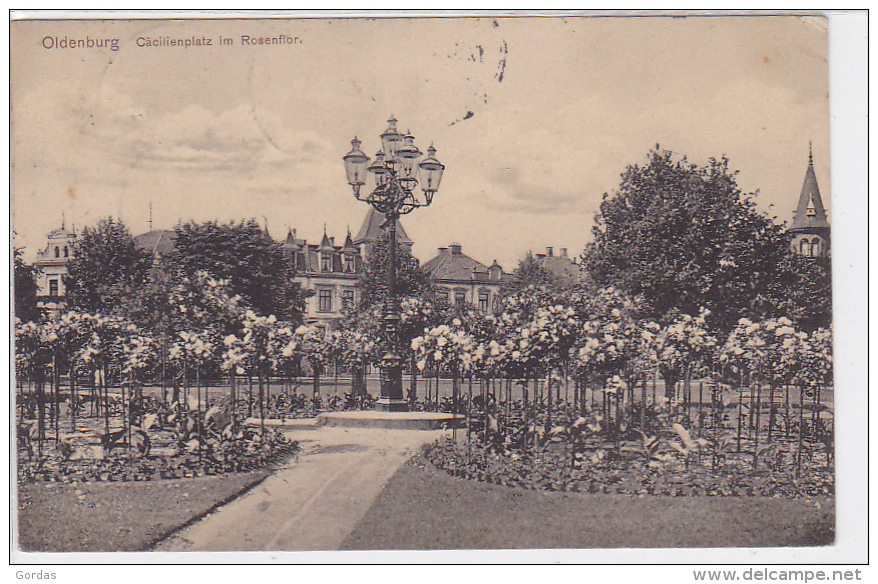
[460,279]
[52,265]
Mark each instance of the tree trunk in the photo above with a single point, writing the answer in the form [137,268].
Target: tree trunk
[198,416]
[454,393]
[758,420]
[56,382]
[261,402]
[73,404]
[526,421]
[106,391]
[469,407]
[233,396]
[801,430]
[771,412]
[413,389]
[41,417]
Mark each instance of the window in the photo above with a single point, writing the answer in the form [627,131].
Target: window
[326,262]
[804,247]
[460,298]
[442,295]
[66,252]
[325,301]
[815,247]
[347,298]
[57,252]
[348,263]
[53,287]
[483,300]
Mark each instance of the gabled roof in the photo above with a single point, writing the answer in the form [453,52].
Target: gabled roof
[453,264]
[809,212]
[160,241]
[561,267]
[372,225]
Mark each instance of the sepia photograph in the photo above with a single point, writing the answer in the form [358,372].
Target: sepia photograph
[409,283]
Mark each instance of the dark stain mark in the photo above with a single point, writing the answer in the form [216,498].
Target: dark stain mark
[468,115]
[496,24]
[501,66]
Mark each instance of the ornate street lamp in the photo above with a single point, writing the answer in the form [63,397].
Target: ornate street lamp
[397,174]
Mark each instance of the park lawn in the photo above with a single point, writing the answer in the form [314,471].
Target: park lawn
[119,516]
[424,508]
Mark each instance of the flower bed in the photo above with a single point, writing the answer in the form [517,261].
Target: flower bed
[556,468]
[241,455]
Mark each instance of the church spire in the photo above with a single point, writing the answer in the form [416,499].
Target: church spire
[810,213]
[810,229]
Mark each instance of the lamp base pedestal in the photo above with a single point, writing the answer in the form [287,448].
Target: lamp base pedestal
[388,404]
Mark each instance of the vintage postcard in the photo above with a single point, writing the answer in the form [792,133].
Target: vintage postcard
[417,283]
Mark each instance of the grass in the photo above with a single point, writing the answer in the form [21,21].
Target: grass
[423,508]
[121,516]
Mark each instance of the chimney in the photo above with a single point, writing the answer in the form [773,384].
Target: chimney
[563,252]
[455,249]
[443,250]
[549,251]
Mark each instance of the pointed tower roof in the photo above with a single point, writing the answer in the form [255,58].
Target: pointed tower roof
[809,212]
[373,223]
[291,243]
[349,244]
[326,244]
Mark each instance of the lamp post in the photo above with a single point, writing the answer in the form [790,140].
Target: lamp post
[396,173]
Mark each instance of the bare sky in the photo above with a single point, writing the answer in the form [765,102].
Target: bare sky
[535,118]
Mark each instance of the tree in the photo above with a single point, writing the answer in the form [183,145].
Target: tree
[25,290]
[685,237]
[411,279]
[530,275]
[257,267]
[803,291]
[106,270]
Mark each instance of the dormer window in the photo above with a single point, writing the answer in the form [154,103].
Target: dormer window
[57,252]
[349,263]
[66,252]
[326,262]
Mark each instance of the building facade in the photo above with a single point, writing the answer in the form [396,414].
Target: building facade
[331,271]
[460,279]
[560,265]
[810,231]
[52,265]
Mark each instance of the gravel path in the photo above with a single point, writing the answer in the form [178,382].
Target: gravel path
[315,502]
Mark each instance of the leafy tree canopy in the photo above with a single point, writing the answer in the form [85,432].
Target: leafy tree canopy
[411,279]
[25,291]
[257,267]
[803,291]
[530,274]
[684,237]
[106,269]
